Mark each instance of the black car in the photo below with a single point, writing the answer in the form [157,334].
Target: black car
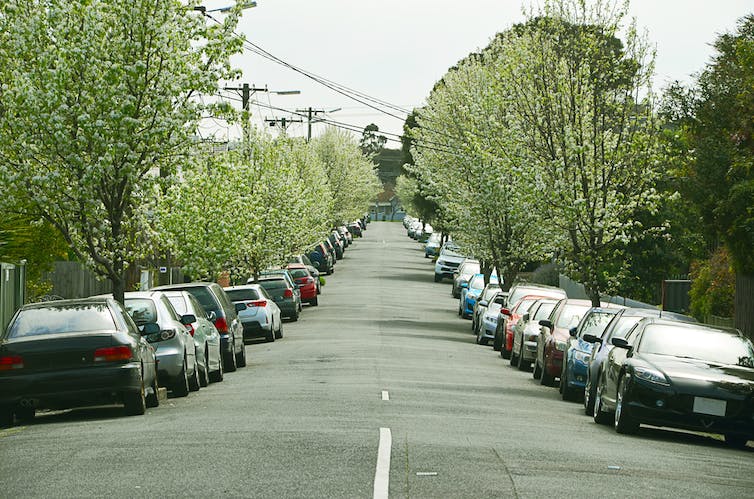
[223,313]
[681,375]
[74,353]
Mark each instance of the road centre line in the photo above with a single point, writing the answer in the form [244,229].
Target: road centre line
[385,395]
[382,473]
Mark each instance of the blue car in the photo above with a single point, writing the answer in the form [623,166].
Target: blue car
[578,351]
[470,294]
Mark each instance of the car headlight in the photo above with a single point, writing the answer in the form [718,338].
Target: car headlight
[490,319]
[651,375]
[580,356]
[560,345]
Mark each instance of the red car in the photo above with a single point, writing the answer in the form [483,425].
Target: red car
[305,282]
[511,317]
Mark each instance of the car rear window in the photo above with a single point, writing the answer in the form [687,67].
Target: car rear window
[244,294]
[298,273]
[179,304]
[272,285]
[205,297]
[141,310]
[62,319]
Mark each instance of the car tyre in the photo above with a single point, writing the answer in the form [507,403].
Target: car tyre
[204,371]
[241,357]
[537,372]
[6,417]
[504,352]
[181,384]
[153,399]
[497,342]
[600,416]
[588,396]
[523,365]
[279,333]
[193,381]
[270,337]
[314,302]
[217,376]
[514,358]
[736,441]
[135,403]
[568,393]
[294,317]
[25,414]
[624,423]
[546,379]
[438,278]
[230,359]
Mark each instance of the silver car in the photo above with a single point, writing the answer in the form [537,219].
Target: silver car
[177,368]
[262,315]
[526,331]
[488,323]
[206,336]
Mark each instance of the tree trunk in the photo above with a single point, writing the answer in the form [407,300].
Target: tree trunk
[119,287]
[744,305]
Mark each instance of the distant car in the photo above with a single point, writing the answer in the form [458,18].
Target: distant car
[680,375]
[432,246]
[470,294]
[262,317]
[447,262]
[527,329]
[205,334]
[488,293]
[73,353]
[488,321]
[466,268]
[578,351]
[618,327]
[321,258]
[303,259]
[177,366]
[554,332]
[307,285]
[355,229]
[224,314]
[284,293]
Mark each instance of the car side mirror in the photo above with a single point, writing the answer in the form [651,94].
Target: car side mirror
[484,303]
[546,323]
[240,306]
[188,319]
[572,332]
[590,338]
[620,343]
[212,316]
[525,318]
[505,311]
[150,328]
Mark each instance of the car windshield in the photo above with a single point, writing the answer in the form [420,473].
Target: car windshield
[476,282]
[595,323]
[704,344]
[544,311]
[451,250]
[141,310]
[52,319]
[242,294]
[523,305]
[571,315]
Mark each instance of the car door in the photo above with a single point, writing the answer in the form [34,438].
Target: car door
[614,364]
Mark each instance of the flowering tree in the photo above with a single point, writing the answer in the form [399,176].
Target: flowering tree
[95,99]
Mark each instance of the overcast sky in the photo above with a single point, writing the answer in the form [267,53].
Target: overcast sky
[396,50]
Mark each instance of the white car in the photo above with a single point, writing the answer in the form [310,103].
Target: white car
[447,262]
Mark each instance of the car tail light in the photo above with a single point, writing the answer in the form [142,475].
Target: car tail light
[257,303]
[190,329]
[11,362]
[113,354]
[288,293]
[221,325]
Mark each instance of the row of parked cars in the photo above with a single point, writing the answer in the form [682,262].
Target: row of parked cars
[628,366]
[182,337]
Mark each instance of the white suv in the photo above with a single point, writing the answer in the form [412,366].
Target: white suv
[447,262]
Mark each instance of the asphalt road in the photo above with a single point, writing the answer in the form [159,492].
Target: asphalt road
[304,418]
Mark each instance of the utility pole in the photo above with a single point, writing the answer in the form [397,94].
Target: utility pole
[311,113]
[284,122]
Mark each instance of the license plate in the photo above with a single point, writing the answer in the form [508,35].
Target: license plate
[713,407]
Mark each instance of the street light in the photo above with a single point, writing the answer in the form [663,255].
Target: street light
[244,5]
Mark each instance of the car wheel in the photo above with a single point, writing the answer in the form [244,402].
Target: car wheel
[504,352]
[567,392]
[537,372]
[217,376]
[294,317]
[25,414]
[624,423]
[588,396]
[279,334]
[6,417]
[497,342]
[153,399]
[314,302]
[514,358]
[270,337]
[204,371]
[194,379]
[599,415]
[736,441]
[181,384]
[546,379]
[438,278]
[241,357]
[230,359]
[523,365]
[135,403]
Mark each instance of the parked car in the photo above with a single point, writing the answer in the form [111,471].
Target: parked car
[306,283]
[447,262]
[432,246]
[177,366]
[355,229]
[206,337]
[488,293]
[507,320]
[73,353]
[466,268]
[346,234]
[322,259]
[503,341]
[554,332]
[284,293]
[262,317]
[527,329]
[488,322]
[618,327]
[337,244]
[223,314]
[681,375]
[304,260]
[471,293]
[578,351]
